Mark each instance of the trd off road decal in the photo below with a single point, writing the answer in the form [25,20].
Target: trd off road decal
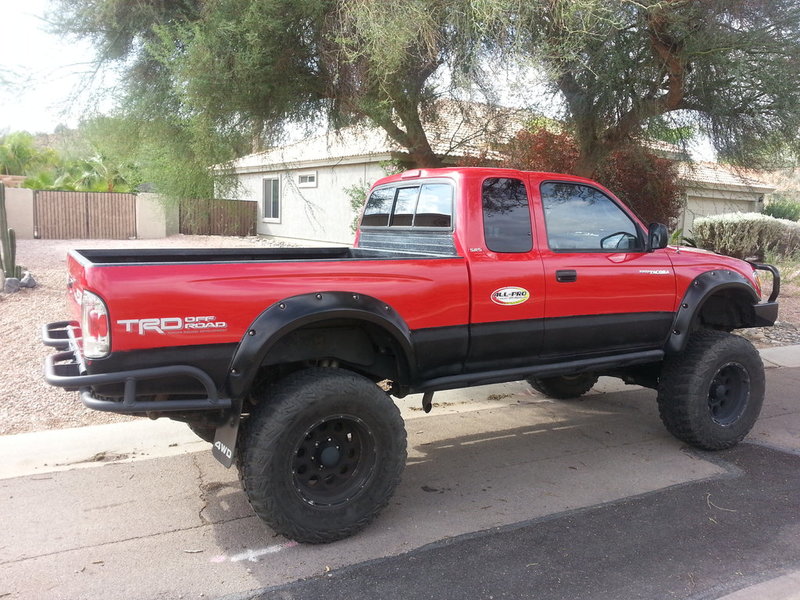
[172,324]
[509,296]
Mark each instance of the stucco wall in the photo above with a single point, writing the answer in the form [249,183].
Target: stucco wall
[155,219]
[19,210]
[320,214]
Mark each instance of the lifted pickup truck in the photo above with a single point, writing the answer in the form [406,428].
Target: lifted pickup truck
[458,277]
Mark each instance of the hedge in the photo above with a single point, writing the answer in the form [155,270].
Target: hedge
[747,234]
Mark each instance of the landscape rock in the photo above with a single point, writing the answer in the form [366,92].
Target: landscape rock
[11,285]
[27,280]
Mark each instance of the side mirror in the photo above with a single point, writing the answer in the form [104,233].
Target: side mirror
[657,236]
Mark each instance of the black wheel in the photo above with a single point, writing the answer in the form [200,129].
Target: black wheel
[565,387]
[322,455]
[711,394]
[204,431]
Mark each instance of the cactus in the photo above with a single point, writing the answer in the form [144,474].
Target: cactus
[8,240]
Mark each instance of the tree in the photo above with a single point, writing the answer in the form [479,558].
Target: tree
[644,181]
[19,154]
[626,69]
[256,66]
[620,70]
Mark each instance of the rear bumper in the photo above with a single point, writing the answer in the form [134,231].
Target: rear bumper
[66,369]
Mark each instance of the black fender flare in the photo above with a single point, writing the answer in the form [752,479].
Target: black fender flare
[699,291]
[295,312]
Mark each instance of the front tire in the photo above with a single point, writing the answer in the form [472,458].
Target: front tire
[711,394]
[564,387]
[323,455]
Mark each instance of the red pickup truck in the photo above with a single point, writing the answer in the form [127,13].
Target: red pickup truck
[285,359]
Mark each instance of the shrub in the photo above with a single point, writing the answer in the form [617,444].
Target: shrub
[747,234]
[645,182]
[783,208]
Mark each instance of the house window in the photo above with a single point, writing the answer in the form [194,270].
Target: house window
[308,179]
[271,200]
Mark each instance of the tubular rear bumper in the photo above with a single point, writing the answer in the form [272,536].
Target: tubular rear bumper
[67,369]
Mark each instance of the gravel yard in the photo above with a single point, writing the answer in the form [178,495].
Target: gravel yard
[28,404]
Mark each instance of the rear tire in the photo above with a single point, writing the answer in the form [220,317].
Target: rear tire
[204,431]
[711,394]
[322,455]
[564,387]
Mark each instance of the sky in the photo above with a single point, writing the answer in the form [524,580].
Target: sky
[40,74]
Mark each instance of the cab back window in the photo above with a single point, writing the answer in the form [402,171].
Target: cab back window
[426,205]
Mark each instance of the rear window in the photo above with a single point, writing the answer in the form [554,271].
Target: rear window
[425,205]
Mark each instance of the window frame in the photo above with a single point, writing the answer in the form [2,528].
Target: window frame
[307,184]
[614,200]
[407,183]
[264,218]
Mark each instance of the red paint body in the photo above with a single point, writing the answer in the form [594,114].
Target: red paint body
[425,293]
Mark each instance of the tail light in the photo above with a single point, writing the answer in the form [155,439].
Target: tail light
[95,328]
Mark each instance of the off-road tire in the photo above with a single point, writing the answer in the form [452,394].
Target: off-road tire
[203,431]
[565,387]
[710,395]
[322,455]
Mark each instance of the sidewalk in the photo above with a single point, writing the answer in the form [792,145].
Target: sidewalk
[486,459]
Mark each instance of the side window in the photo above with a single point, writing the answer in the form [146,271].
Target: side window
[580,217]
[379,207]
[506,215]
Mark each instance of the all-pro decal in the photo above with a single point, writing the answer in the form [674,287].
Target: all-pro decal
[177,324]
[509,296]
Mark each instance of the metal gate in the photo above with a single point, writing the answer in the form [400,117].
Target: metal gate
[84,215]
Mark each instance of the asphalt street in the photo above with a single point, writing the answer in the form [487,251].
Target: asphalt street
[505,495]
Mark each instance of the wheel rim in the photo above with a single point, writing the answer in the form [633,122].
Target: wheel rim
[729,393]
[333,461]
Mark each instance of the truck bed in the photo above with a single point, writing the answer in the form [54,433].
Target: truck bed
[238,255]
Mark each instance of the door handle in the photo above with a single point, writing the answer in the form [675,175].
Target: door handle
[566,276]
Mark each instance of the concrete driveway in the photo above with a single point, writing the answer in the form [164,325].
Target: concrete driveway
[506,494]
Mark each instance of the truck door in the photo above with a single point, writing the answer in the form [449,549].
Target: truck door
[507,280]
[604,291]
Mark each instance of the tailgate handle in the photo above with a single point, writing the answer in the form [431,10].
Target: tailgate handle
[566,276]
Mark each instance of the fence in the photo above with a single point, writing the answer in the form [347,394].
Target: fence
[84,215]
[218,217]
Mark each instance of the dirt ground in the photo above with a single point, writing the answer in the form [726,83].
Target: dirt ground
[27,403]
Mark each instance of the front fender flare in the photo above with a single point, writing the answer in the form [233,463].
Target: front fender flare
[700,290]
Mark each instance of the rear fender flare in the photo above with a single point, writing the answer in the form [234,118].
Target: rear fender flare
[702,288]
[295,312]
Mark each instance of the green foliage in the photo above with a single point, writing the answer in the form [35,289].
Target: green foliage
[19,154]
[744,235]
[623,69]
[8,241]
[783,208]
[357,193]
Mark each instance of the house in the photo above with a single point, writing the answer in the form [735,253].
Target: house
[712,189]
[301,188]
